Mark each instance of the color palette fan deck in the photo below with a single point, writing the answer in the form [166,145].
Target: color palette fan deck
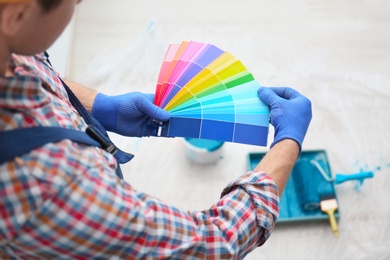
[210,95]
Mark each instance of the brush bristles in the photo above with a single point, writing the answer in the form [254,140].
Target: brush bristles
[329,204]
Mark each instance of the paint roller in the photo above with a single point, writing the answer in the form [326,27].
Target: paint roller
[305,179]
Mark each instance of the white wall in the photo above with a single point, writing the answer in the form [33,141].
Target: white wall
[60,51]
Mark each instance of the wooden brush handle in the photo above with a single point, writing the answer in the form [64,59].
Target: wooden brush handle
[333,222]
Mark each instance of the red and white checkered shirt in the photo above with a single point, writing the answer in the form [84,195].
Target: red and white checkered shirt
[64,201]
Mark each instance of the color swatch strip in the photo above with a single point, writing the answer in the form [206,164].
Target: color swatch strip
[210,95]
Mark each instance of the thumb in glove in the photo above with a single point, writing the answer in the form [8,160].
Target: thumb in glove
[131,114]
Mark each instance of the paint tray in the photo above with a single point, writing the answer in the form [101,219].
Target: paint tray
[310,178]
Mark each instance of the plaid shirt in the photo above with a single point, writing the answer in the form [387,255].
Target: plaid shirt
[64,201]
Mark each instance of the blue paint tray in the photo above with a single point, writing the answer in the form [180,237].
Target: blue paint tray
[310,178]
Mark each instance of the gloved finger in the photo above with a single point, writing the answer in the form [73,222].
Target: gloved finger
[161,114]
[268,96]
[149,109]
[285,92]
[150,97]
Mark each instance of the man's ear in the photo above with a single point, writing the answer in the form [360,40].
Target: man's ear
[13,16]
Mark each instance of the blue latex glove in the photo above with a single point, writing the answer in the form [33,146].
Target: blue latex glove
[130,114]
[290,113]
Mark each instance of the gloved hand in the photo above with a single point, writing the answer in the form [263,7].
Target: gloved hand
[129,114]
[290,113]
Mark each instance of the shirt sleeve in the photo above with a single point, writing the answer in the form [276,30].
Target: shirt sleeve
[97,215]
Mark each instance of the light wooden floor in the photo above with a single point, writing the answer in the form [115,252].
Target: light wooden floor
[335,52]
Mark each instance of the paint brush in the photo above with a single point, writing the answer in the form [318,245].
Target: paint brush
[329,206]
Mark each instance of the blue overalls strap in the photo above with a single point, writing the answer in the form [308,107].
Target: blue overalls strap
[98,132]
[94,125]
[21,141]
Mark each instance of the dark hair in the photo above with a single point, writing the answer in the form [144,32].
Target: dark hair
[48,5]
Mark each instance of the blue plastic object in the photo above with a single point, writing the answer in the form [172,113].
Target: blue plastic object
[208,145]
[361,176]
[301,198]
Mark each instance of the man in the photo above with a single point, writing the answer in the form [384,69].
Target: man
[64,200]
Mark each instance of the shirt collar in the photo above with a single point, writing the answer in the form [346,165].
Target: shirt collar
[24,89]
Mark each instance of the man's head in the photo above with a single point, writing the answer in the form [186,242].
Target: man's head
[28,27]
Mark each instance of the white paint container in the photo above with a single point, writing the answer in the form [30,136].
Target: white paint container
[203,151]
